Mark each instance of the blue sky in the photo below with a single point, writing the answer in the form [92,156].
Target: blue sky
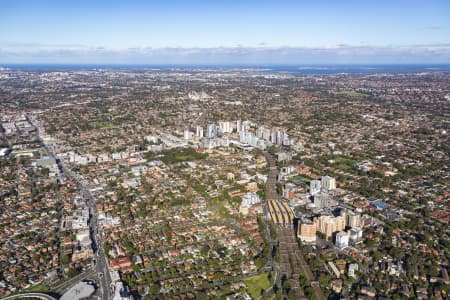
[228,32]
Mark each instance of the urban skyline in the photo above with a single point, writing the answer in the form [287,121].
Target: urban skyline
[226,150]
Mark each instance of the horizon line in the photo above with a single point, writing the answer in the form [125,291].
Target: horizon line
[226,64]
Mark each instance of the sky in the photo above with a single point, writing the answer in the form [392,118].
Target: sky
[225,32]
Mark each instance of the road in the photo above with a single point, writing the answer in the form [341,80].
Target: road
[63,287]
[29,296]
[101,265]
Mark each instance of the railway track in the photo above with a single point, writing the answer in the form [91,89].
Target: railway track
[291,258]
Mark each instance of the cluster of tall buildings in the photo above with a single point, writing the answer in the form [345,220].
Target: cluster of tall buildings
[213,130]
[319,189]
[261,137]
[248,133]
[344,238]
[213,136]
[326,184]
[329,224]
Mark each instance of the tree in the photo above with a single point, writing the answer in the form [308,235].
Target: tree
[65,260]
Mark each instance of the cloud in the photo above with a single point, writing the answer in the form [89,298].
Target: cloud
[434,28]
[328,54]
[39,45]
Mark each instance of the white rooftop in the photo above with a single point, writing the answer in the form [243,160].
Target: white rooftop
[79,291]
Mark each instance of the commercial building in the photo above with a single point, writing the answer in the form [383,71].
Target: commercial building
[121,292]
[284,156]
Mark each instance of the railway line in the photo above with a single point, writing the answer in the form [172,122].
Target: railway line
[291,258]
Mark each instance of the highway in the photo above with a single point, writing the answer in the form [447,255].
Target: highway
[101,264]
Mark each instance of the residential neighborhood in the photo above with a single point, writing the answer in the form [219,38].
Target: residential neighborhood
[224,184]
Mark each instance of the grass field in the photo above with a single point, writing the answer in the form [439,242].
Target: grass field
[300,178]
[256,283]
[344,163]
[39,288]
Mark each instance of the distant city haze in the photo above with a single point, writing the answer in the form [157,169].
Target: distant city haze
[225,32]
